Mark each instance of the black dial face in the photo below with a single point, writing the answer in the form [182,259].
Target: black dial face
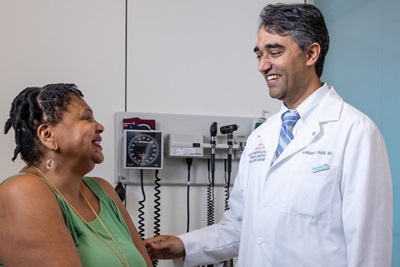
[143,150]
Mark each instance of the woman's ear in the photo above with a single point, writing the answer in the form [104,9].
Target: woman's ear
[46,136]
[313,54]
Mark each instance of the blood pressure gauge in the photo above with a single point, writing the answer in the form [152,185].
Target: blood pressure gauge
[143,149]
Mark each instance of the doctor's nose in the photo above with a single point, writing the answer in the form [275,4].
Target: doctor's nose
[264,64]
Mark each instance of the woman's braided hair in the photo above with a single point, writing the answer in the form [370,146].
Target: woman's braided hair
[32,107]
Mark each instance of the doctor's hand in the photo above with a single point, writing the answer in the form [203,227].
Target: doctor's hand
[165,247]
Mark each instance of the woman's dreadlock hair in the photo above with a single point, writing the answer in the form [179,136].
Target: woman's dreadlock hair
[32,107]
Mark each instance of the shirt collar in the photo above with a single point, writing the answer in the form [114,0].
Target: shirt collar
[305,109]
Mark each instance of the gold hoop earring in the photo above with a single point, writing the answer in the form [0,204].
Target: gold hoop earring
[50,162]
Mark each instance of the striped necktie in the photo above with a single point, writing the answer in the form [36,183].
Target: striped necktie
[289,119]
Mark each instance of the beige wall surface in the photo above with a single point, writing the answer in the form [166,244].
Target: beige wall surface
[183,57]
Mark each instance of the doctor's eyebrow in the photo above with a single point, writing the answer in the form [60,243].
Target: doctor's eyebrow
[269,46]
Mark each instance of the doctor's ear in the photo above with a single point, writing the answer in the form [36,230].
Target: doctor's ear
[313,53]
[46,136]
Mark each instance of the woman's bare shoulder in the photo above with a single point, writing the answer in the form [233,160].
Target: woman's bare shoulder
[32,222]
[24,185]
[24,194]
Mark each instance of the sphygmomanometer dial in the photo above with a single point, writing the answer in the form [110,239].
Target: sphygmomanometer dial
[144,149]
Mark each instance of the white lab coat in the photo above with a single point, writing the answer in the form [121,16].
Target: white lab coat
[326,201]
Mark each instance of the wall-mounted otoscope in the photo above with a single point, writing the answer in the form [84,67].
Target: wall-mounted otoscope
[210,187]
[213,133]
[229,129]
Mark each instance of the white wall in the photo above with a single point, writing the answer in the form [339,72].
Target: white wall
[73,41]
[184,57]
[197,58]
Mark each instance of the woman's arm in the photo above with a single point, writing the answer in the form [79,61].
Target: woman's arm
[32,227]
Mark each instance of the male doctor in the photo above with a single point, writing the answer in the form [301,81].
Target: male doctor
[316,193]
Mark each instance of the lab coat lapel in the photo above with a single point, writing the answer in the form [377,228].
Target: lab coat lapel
[329,110]
[302,140]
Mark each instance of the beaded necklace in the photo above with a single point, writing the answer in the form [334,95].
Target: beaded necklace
[120,255]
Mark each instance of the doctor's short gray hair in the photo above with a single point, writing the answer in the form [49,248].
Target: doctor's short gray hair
[303,22]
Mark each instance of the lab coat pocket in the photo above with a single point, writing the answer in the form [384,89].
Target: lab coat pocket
[312,191]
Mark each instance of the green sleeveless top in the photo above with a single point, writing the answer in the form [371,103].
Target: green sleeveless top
[92,250]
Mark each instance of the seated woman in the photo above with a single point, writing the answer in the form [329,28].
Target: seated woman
[51,214]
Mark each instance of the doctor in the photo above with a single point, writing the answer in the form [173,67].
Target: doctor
[326,200]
